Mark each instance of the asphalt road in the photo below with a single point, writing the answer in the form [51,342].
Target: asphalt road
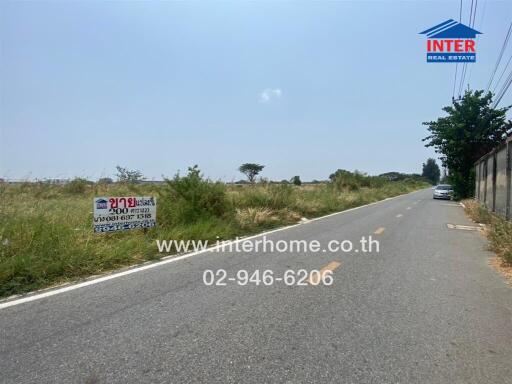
[426,309]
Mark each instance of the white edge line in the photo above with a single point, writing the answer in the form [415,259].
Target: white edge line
[38,296]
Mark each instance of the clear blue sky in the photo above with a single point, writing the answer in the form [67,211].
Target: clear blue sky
[303,88]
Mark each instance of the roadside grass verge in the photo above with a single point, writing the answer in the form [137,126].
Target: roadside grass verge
[46,235]
[499,231]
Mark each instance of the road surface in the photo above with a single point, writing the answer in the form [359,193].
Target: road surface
[426,309]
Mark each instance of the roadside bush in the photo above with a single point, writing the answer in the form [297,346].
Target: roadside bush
[353,181]
[501,239]
[189,198]
[76,186]
[499,230]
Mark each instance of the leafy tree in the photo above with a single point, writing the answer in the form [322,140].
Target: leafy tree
[251,170]
[295,180]
[340,173]
[470,130]
[398,176]
[431,171]
[125,175]
[342,179]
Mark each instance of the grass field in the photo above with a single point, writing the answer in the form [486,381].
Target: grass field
[46,233]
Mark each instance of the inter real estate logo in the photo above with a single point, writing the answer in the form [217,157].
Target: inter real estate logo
[451,42]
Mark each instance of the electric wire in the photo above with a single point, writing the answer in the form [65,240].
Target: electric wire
[500,56]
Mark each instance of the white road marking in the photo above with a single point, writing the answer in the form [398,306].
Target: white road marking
[48,292]
[464,227]
[399,215]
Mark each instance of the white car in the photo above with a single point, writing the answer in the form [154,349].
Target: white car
[443,191]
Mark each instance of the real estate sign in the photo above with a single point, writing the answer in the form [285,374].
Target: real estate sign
[122,213]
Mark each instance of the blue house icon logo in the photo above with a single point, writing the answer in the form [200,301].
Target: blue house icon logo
[451,42]
[101,204]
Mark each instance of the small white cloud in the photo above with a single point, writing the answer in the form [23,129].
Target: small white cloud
[270,94]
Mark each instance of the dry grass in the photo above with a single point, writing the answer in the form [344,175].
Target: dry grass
[249,217]
[504,268]
[499,233]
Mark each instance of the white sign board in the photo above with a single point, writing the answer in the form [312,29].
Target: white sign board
[121,213]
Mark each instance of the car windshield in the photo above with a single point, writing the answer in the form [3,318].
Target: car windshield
[444,187]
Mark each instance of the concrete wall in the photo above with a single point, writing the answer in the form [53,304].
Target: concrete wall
[500,202]
[489,193]
[493,182]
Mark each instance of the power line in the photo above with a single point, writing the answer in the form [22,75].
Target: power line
[502,73]
[483,14]
[505,86]
[457,64]
[472,26]
[471,13]
[462,76]
[505,42]
[472,17]
[455,80]
[503,90]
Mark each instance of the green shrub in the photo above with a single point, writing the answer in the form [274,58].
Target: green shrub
[77,186]
[353,181]
[499,230]
[500,235]
[190,198]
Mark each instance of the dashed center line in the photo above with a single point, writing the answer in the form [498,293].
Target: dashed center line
[316,279]
[379,231]
[399,215]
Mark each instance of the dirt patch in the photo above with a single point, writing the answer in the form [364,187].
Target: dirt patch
[503,268]
[499,233]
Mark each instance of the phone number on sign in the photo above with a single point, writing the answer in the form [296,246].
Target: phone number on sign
[267,277]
